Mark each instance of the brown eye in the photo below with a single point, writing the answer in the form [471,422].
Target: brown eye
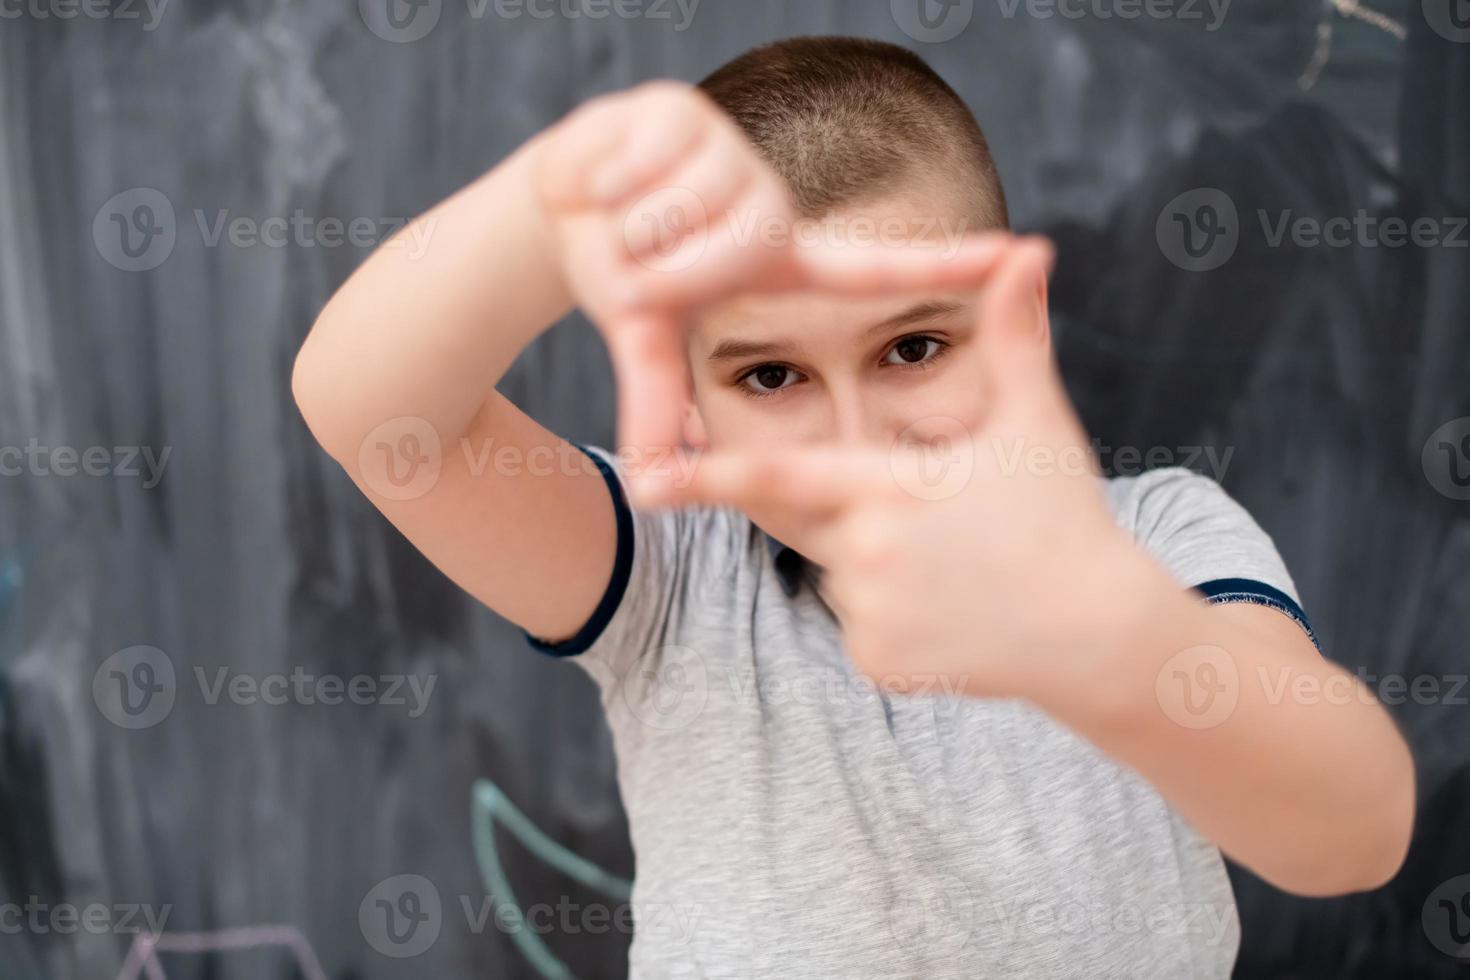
[912,350]
[771,377]
[768,379]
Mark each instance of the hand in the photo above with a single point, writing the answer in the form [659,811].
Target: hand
[658,201]
[996,576]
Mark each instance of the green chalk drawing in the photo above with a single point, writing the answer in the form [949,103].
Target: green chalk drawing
[491,805]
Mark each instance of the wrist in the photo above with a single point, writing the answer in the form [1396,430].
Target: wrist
[1127,607]
[542,237]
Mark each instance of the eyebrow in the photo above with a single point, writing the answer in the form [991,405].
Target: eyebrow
[730,350]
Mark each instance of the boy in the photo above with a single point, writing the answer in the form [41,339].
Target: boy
[902,688]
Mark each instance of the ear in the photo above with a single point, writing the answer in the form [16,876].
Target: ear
[1043,312]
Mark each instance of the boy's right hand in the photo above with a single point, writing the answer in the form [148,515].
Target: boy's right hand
[660,206]
[637,186]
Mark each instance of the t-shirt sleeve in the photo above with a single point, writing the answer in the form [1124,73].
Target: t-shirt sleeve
[649,593]
[1207,541]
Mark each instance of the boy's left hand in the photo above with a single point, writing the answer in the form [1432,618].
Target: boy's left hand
[1007,577]
[974,556]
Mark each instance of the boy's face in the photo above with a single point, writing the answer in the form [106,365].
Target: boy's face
[783,370]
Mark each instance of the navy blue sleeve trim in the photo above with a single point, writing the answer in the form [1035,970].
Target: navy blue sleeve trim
[616,586]
[1249,590]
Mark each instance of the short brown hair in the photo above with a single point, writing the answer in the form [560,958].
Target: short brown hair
[846,118]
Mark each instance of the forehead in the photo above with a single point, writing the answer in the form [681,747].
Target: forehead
[916,216]
[814,318]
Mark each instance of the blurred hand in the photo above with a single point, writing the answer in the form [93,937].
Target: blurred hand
[988,558]
[657,201]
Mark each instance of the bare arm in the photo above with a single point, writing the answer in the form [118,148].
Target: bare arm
[421,332]
[1282,758]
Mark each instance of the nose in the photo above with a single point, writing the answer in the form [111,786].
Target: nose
[859,418]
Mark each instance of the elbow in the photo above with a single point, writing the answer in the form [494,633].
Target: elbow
[1365,859]
[1397,831]
[306,390]
[304,384]
[311,388]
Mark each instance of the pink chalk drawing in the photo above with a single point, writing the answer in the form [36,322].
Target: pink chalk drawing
[143,955]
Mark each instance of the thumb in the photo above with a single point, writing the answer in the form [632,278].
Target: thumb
[648,357]
[1012,337]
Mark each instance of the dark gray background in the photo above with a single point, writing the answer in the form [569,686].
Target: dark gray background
[1324,370]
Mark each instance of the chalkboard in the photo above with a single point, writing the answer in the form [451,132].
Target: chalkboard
[195,539]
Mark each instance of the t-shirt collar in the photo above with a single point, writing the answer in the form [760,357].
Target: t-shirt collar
[791,566]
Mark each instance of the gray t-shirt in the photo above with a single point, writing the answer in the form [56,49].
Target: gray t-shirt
[788,820]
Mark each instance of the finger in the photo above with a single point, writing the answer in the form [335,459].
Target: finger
[712,258]
[1013,345]
[878,268]
[652,149]
[694,197]
[591,134]
[815,482]
[592,262]
[647,351]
